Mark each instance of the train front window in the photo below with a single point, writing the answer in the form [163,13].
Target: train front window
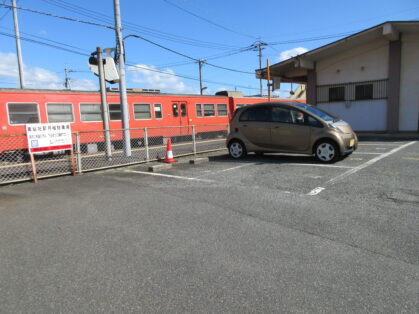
[23,113]
[60,112]
[175,110]
[209,110]
[142,112]
[90,112]
[222,110]
[183,110]
[115,112]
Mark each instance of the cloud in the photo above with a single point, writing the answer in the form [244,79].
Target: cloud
[36,77]
[291,53]
[83,85]
[148,78]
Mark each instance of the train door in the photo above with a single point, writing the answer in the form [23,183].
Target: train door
[181,116]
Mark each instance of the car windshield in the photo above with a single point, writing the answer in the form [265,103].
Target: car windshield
[318,112]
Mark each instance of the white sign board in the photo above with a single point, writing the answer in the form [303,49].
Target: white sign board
[48,137]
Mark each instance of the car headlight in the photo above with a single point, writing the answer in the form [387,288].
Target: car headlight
[335,128]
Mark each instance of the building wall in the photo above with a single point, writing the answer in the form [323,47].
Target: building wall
[409,83]
[365,63]
[368,62]
[362,115]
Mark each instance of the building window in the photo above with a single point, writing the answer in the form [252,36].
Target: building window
[90,112]
[337,93]
[198,110]
[60,113]
[23,113]
[209,110]
[222,110]
[142,112]
[114,112]
[157,111]
[363,92]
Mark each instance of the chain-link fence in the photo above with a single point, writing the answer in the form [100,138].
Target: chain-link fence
[101,149]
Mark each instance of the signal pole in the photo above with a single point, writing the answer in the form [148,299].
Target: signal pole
[122,83]
[18,50]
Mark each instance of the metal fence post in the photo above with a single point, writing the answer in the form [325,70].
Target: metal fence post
[78,152]
[147,152]
[194,139]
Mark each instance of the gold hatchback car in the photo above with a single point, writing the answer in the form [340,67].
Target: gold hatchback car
[289,127]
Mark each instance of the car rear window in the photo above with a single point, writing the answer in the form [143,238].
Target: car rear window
[256,114]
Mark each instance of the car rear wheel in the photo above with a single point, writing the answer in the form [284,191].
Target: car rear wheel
[327,151]
[237,149]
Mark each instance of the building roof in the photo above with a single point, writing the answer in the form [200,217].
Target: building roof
[295,69]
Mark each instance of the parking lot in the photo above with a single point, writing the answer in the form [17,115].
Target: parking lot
[272,233]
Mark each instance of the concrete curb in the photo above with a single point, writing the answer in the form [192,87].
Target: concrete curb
[388,137]
[155,168]
[199,160]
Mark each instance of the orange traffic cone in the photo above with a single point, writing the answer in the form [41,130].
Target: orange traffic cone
[169,153]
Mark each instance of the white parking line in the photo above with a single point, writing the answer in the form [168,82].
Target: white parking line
[317,165]
[378,144]
[317,190]
[361,153]
[169,176]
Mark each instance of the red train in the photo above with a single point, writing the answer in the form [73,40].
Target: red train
[83,110]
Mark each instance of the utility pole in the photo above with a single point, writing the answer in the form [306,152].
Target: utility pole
[200,61]
[259,48]
[67,83]
[18,50]
[122,83]
[105,108]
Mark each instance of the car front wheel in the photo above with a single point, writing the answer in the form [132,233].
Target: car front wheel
[327,151]
[237,149]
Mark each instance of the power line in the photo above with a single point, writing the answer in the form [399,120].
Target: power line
[57,16]
[128,64]
[135,27]
[209,21]
[45,44]
[191,58]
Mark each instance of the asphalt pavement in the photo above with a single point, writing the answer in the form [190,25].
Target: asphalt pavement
[265,234]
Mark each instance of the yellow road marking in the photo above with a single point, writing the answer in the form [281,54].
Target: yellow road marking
[410,158]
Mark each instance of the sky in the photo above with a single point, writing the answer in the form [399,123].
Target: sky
[176,33]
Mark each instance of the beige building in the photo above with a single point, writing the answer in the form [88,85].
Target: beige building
[369,79]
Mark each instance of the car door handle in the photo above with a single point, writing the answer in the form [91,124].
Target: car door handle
[277,127]
[245,125]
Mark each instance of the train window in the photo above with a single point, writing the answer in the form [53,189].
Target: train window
[157,111]
[115,112]
[183,110]
[90,112]
[23,113]
[60,112]
[198,110]
[175,110]
[222,110]
[142,112]
[209,110]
